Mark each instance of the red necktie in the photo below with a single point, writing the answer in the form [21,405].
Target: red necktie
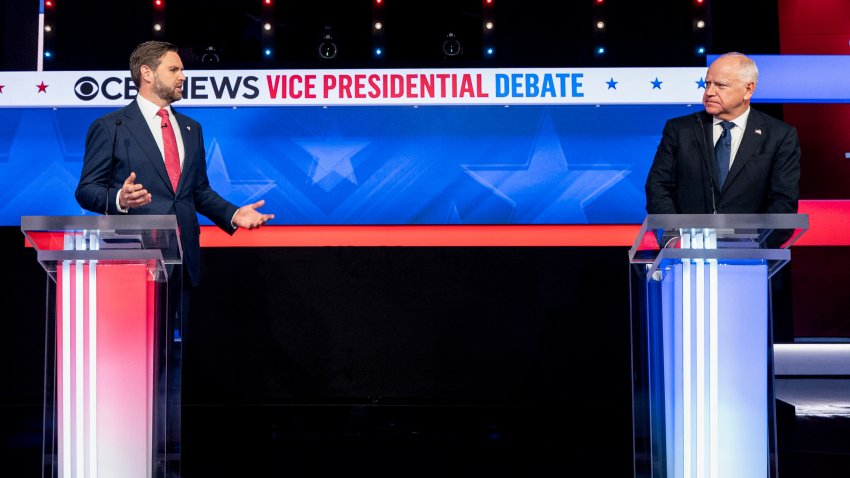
[169,144]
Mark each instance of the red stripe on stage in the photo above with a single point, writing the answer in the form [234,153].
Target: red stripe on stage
[415,236]
[829,225]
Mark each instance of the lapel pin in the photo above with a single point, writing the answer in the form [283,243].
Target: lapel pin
[758,131]
[189,128]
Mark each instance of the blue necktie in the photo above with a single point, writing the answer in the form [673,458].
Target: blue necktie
[723,150]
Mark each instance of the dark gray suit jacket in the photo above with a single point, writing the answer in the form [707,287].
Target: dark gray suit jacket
[120,142]
[764,177]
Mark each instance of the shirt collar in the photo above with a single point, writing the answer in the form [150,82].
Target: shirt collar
[740,121]
[149,108]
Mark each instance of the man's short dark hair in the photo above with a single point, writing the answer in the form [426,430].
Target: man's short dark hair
[149,53]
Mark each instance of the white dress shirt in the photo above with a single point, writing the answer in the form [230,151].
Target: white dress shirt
[149,111]
[737,132]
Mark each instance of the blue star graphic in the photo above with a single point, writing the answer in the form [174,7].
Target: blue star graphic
[239,191]
[332,158]
[612,84]
[700,83]
[545,190]
[656,83]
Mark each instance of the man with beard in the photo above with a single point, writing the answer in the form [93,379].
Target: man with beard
[147,158]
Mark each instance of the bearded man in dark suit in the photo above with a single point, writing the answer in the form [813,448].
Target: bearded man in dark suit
[126,167]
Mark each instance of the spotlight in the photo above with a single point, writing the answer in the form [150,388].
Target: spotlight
[210,55]
[327,46]
[451,45]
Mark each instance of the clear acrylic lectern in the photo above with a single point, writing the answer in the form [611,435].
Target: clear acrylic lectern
[702,342]
[112,387]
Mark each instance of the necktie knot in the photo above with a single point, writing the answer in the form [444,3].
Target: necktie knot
[163,113]
[726,125]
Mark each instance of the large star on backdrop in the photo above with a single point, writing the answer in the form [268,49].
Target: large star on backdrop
[545,189]
[237,191]
[332,155]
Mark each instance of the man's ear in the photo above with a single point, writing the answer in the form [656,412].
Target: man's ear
[147,73]
[751,87]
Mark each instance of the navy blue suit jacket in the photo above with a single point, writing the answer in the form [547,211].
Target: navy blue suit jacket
[121,142]
[764,177]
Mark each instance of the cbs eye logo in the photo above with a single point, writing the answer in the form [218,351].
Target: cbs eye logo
[86,88]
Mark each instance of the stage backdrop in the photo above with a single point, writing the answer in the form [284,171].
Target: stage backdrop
[372,147]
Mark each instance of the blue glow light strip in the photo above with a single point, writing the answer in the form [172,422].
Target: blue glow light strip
[700,364]
[801,78]
[713,359]
[687,377]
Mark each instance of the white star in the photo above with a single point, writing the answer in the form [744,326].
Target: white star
[545,190]
[239,191]
[332,157]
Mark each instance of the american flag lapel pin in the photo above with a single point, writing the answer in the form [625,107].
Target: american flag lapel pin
[758,131]
[189,128]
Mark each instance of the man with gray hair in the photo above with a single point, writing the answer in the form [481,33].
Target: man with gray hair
[728,159]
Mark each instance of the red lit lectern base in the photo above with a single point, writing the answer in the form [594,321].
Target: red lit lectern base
[104,345]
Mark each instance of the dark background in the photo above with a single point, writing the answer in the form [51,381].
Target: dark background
[532,33]
[378,359]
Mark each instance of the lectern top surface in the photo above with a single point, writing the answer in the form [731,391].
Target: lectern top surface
[716,231]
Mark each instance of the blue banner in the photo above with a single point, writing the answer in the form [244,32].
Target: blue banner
[376,165]
[801,78]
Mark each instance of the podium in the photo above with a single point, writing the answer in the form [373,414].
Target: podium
[702,346]
[112,386]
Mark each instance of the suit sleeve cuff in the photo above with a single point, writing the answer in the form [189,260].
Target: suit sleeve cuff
[232,218]
[118,203]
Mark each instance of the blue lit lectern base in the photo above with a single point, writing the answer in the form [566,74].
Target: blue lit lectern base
[711,332]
